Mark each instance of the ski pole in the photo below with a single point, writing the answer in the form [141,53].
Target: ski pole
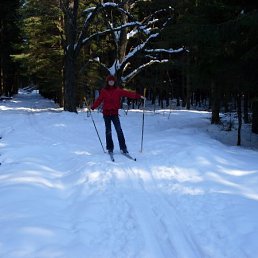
[144,93]
[89,109]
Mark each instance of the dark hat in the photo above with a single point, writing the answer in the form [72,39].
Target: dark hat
[110,78]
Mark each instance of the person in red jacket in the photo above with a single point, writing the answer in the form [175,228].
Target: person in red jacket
[111,95]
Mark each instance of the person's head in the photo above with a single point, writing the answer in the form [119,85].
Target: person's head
[111,80]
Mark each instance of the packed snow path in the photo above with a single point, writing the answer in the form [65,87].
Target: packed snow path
[187,196]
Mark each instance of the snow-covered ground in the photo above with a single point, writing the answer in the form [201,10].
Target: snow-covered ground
[187,196]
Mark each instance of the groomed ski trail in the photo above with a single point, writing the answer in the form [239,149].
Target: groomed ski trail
[62,197]
[158,221]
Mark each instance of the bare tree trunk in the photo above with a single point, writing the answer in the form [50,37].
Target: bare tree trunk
[255,116]
[239,115]
[61,91]
[183,88]
[188,85]
[122,42]
[215,105]
[188,93]
[70,83]
[70,24]
[246,116]
[123,36]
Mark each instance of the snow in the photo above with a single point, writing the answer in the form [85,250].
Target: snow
[171,50]
[188,195]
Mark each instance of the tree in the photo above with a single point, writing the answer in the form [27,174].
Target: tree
[217,35]
[42,56]
[120,26]
[9,39]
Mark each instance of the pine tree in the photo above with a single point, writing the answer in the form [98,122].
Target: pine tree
[43,55]
[9,39]
[218,37]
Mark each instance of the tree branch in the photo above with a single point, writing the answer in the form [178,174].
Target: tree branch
[131,75]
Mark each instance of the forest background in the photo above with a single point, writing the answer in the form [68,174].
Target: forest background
[193,53]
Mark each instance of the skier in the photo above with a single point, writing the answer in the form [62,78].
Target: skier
[111,95]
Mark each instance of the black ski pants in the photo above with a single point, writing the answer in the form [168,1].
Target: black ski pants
[120,135]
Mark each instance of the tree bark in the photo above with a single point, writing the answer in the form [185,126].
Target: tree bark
[70,83]
[186,93]
[215,106]
[255,116]
[239,115]
[246,116]
[122,44]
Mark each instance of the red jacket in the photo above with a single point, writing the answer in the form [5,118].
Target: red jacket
[111,98]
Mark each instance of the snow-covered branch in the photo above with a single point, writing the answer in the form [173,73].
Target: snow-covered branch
[92,12]
[101,33]
[152,18]
[137,50]
[131,75]
[120,66]
[168,51]
[96,61]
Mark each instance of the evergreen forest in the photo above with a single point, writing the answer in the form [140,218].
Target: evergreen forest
[189,53]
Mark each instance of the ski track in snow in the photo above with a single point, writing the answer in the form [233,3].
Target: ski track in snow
[169,232]
[63,198]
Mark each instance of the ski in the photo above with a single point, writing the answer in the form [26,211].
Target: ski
[111,155]
[128,156]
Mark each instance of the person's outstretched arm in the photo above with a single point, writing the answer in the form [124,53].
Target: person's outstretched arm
[130,94]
